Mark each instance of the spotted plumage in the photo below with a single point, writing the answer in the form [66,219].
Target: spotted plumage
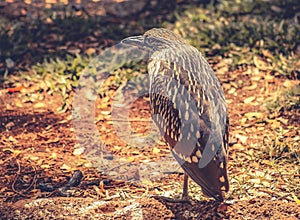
[188,106]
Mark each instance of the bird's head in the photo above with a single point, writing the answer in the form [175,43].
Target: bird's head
[155,39]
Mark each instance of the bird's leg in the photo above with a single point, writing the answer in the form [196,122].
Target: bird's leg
[185,195]
[184,198]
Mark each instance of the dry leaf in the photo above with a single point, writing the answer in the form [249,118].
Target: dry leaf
[243,121]
[54,140]
[260,63]
[242,138]
[296,199]
[98,191]
[147,182]
[266,184]
[64,121]
[130,159]
[232,90]
[12,139]
[269,78]
[255,181]
[259,173]
[78,151]
[15,152]
[101,185]
[274,124]
[53,155]
[65,167]
[90,51]
[19,104]
[251,115]
[288,83]
[155,150]
[45,166]
[33,157]
[39,105]
[105,112]
[117,148]
[15,89]
[256,78]
[283,121]
[252,87]
[267,53]
[249,99]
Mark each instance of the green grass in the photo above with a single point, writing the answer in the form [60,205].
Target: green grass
[243,30]
[285,100]
[264,34]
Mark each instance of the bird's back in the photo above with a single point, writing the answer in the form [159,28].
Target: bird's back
[188,106]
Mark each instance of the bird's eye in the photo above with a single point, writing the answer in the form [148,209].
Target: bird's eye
[150,41]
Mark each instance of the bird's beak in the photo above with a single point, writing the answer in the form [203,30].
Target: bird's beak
[135,41]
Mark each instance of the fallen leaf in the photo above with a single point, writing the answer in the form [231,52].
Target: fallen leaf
[9,107]
[251,115]
[53,155]
[12,139]
[130,159]
[283,121]
[78,151]
[232,90]
[45,166]
[255,181]
[243,121]
[101,185]
[147,182]
[19,104]
[105,112]
[64,121]
[15,89]
[252,87]
[97,190]
[9,125]
[249,99]
[90,51]
[15,152]
[288,83]
[267,53]
[65,167]
[259,173]
[296,199]
[266,183]
[155,150]
[260,64]
[54,140]
[39,105]
[269,78]
[242,138]
[274,124]
[34,158]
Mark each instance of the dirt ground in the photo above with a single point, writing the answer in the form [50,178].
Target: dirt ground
[37,162]
[45,174]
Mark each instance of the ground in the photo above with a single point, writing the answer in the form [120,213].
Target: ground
[46,176]
[38,144]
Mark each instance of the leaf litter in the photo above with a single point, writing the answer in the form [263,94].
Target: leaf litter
[264,150]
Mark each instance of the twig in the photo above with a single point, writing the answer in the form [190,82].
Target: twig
[34,179]
[15,180]
[172,200]
[118,120]
[273,193]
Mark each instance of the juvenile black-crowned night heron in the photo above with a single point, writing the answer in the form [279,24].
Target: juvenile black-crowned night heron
[188,106]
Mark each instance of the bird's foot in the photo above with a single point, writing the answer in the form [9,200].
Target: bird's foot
[185,197]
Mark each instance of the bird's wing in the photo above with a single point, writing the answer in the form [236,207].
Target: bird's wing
[182,109]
